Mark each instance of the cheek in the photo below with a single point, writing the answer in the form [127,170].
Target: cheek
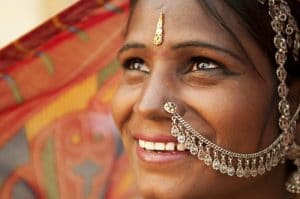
[122,104]
[236,112]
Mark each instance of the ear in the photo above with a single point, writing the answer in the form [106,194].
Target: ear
[295,103]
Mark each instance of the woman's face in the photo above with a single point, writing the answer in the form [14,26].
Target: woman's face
[222,83]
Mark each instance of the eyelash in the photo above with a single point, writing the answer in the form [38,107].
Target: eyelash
[194,64]
[203,64]
[135,64]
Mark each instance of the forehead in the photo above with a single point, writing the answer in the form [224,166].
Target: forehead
[184,20]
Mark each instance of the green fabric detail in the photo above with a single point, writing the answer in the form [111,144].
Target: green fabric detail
[49,170]
[108,71]
[82,35]
[14,88]
[48,63]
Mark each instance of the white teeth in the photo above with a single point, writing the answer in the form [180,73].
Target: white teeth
[160,146]
[180,147]
[149,145]
[142,143]
[170,146]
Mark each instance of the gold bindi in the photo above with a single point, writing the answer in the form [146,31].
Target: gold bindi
[159,32]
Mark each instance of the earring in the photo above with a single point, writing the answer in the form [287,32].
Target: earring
[293,183]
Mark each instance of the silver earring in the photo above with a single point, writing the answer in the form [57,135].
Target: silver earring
[293,183]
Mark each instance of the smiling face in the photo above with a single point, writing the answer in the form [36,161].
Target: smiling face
[223,85]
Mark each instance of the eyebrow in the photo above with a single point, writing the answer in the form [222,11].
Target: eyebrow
[128,46]
[186,44]
[200,44]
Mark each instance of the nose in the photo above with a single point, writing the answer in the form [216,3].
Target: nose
[158,89]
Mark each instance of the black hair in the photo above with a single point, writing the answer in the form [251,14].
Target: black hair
[258,22]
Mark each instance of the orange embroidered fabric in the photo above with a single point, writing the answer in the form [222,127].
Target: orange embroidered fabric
[57,137]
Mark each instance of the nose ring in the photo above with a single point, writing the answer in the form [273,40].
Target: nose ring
[221,159]
[170,107]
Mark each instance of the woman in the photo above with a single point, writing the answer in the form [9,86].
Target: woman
[206,70]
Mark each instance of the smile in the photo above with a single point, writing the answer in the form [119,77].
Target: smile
[160,146]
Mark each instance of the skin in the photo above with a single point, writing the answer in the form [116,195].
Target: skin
[233,103]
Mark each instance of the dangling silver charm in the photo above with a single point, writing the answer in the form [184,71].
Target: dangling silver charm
[293,183]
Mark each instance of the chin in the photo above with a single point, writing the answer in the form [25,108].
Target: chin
[158,192]
[173,186]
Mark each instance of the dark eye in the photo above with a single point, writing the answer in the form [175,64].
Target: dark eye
[136,64]
[203,64]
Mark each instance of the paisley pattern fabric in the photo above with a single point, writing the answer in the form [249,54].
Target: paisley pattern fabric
[57,137]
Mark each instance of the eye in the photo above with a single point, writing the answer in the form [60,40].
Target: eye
[203,64]
[136,64]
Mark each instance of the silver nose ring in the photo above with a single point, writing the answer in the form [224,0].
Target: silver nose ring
[170,107]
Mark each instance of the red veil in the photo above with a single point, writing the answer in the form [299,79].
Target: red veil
[57,138]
